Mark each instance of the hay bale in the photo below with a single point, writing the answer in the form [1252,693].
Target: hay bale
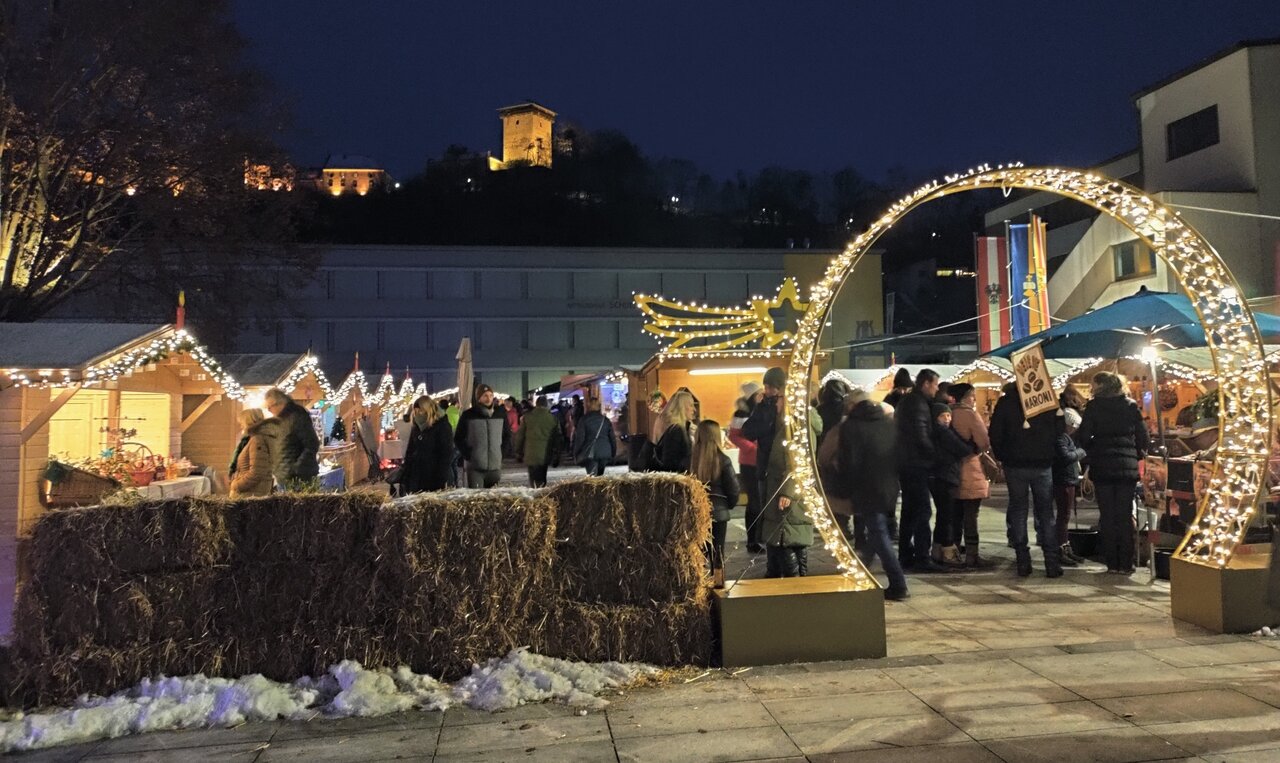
[293,527]
[80,544]
[671,509]
[262,599]
[630,575]
[633,540]
[461,578]
[674,634]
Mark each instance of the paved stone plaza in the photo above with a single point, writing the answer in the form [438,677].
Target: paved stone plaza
[981,667]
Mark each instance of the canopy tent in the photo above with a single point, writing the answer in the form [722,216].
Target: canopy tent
[1126,326]
[881,379]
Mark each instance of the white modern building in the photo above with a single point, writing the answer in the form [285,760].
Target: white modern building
[1210,149]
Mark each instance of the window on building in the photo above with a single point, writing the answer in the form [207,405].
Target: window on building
[1133,260]
[1192,133]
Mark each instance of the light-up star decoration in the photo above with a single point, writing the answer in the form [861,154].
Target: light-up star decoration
[697,328]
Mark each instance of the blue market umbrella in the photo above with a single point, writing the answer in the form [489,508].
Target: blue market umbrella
[1127,325]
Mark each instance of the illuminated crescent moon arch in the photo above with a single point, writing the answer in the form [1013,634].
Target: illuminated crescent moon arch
[1244,429]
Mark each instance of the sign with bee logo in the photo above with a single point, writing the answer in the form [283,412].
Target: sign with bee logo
[1035,386]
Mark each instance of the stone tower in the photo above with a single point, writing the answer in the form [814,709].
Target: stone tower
[526,134]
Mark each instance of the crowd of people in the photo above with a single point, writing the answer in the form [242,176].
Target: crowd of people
[925,448]
[928,445]
[451,448]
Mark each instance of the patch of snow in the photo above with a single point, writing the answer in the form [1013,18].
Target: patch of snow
[522,677]
[347,689]
[1268,632]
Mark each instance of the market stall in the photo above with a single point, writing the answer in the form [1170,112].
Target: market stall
[711,352]
[989,374]
[103,401]
[610,387]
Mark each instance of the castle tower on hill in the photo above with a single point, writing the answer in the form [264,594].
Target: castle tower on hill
[526,135]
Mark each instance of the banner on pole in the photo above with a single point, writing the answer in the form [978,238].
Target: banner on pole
[1035,386]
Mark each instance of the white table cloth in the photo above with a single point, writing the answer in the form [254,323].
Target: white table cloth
[182,487]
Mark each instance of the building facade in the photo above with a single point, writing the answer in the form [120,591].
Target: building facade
[343,173]
[1210,149]
[526,135]
[533,314]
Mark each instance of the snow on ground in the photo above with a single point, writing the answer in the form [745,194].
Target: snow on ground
[347,689]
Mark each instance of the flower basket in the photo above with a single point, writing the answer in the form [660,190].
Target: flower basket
[142,477]
[66,486]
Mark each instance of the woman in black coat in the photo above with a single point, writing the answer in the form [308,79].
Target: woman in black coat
[429,454]
[1115,437]
[673,450]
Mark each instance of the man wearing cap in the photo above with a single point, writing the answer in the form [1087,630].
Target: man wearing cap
[481,437]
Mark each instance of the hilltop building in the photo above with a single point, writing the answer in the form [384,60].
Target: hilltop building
[345,173]
[526,136]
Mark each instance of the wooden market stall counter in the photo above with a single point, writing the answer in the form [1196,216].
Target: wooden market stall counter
[714,378]
[347,456]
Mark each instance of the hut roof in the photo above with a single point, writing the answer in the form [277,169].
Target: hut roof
[263,369]
[68,345]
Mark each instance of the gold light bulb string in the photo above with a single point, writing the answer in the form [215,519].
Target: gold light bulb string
[1245,424]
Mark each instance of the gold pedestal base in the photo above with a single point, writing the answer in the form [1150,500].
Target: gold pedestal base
[774,621]
[1224,600]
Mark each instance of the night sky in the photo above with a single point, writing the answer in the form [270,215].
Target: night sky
[740,85]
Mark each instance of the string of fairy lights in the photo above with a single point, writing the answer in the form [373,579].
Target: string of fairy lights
[741,331]
[181,341]
[127,362]
[1235,345]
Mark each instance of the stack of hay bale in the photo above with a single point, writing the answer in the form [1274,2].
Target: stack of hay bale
[597,569]
[629,569]
[462,578]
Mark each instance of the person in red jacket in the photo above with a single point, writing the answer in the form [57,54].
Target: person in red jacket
[751,394]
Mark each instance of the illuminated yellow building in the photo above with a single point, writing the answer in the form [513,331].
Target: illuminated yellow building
[351,174]
[526,136]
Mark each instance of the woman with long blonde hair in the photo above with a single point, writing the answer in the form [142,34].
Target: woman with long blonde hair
[672,451]
[711,466]
[429,453]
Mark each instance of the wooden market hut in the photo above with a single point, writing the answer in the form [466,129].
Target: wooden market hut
[69,390]
[214,430]
[715,379]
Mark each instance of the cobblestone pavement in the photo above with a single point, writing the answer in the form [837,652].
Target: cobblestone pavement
[982,666]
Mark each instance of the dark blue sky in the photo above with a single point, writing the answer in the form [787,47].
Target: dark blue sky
[740,85]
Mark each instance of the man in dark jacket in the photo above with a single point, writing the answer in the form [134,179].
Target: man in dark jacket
[295,460]
[762,425]
[914,422]
[868,451]
[482,436]
[538,442]
[1026,448]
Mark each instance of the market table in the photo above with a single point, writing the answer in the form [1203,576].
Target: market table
[392,450]
[181,487]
